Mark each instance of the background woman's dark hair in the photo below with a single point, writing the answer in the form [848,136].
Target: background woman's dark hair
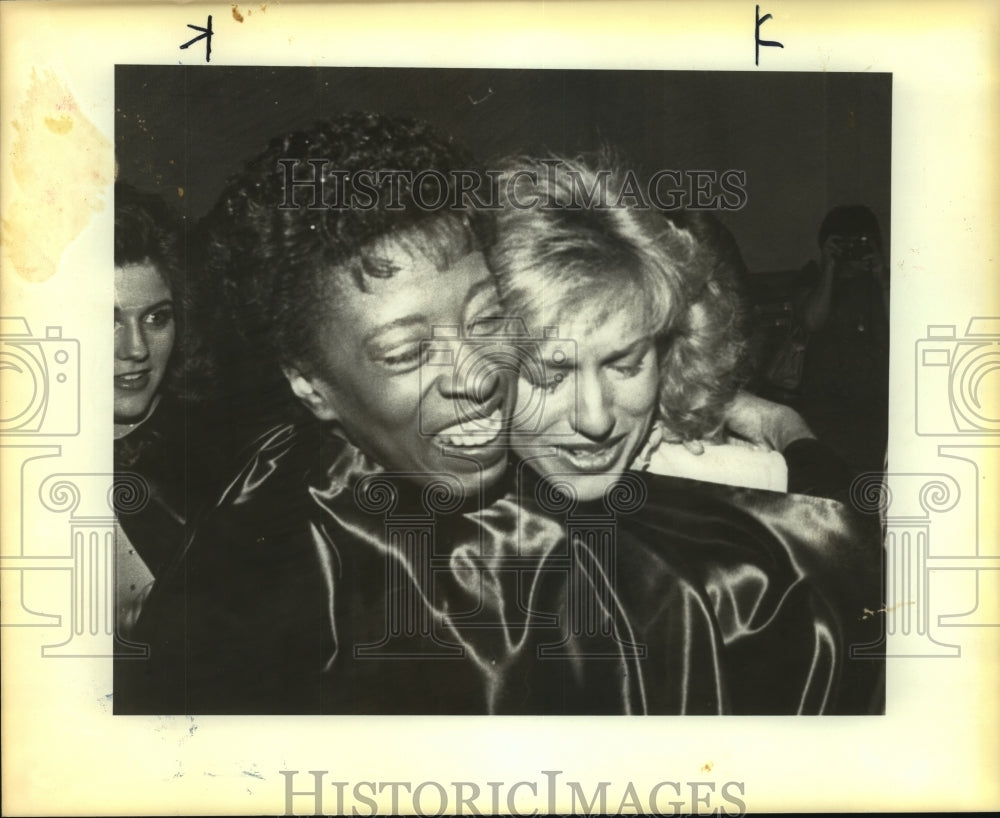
[147,230]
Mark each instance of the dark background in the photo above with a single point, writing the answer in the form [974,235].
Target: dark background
[807,141]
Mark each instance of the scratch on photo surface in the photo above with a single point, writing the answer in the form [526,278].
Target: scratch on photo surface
[253,775]
[489,93]
[868,612]
[61,165]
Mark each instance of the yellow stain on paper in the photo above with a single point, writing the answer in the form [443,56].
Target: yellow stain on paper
[239,17]
[61,125]
[61,165]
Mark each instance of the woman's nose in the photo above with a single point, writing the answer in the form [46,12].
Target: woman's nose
[474,376]
[130,343]
[593,416]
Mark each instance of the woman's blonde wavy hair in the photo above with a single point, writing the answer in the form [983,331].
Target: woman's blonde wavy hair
[572,231]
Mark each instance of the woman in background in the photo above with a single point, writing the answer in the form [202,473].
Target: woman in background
[163,450]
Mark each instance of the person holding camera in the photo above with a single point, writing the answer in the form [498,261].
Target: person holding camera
[844,307]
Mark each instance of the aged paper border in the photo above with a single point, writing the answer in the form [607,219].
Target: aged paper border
[935,749]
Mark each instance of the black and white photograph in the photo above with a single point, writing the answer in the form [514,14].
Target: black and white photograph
[388,390]
[549,392]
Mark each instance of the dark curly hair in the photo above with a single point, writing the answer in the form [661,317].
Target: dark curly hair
[679,272]
[279,251]
[147,230]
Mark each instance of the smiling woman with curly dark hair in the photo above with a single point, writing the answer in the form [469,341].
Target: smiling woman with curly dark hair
[302,227]
[303,219]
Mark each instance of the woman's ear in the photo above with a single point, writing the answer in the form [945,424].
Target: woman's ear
[310,392]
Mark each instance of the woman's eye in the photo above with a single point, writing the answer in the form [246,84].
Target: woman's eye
[547,381]
[403,358]
[486,324]
[632,364]
[628,370]
[159,318]
[554,382]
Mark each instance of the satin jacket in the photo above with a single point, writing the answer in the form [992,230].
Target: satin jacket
[168,468]
[322,584]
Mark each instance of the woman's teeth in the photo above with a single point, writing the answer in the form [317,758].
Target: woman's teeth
[591,459]
[475,432]
[133,380]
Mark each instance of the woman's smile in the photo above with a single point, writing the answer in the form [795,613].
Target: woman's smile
[144,338]
[136,381]
[592,457]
